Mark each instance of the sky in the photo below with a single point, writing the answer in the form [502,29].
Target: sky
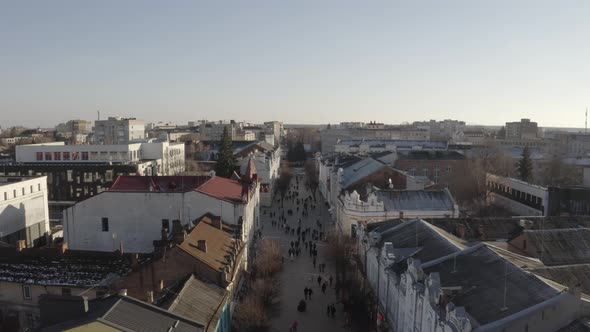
[483,62]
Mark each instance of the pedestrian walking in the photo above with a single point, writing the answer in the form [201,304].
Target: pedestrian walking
[310,292]
[319,280]
[314,262]
[324,288]
[305,292]
[333,310]
[330,279]
[328,310]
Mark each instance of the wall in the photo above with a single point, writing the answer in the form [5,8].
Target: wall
[138,222]
[24,212]
[104,153]
[28,312]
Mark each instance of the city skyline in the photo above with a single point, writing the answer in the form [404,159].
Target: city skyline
[305,62]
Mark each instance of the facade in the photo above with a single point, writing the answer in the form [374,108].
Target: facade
[266,160]
[151,158]
[75,126]
[118,130]
[427,280]
[519,197]
[26,275]
[274,128]
[438,166]
[525,129]
[151,203]
[381,205]
[24,213]
[213,131]
[383,145]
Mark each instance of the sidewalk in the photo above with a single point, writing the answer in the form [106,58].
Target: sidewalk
[300,273]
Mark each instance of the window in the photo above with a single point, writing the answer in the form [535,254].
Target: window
[57,155]
[94,155]
[31,189]
[84,155]
[66,155]
[39,186]
[103,155]
[166,224]
[5,196]
[27,295]
[47,155]
[14,193]
[75,155]
[105,224]
[23,191]
[66,291]
[448,169]
[39,155]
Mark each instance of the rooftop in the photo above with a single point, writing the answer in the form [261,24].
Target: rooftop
[128,314]
[224,189]
[219,242]
[124,183]
[475,272]
[198,300]
[360,169]
[48,267]
[430,155]
[561,246]
[412,200]
[428,241]
[567,275]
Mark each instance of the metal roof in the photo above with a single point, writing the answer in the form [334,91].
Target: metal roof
[415,200]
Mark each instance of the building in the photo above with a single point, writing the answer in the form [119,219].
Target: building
[113,313]
[388,204]
[331,137]
[213,131]
[525,129]
[565,246]
[26,275]
[434,283]
[441,130]
[75,126]
[266,160]
[202,301]
[519,197]
[118,130]
[384,145]
[151,203]
[24,213]
[438,166]
[150,158]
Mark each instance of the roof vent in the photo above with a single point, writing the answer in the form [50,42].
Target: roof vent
[202,245]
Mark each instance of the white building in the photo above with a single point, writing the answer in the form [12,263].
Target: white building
[361,146]
[118,130]
[266,160]
[351,209]
[520,197]
[23,210]
[426,280]
[151,158]
[136,211]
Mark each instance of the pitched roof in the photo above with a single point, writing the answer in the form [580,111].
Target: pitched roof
[359,170]
[125,183]
[200,301]
[222,188]
[567,275]
[475,271]
[219,242]
[128,314]
[411,200]
[431,242]
[561,246]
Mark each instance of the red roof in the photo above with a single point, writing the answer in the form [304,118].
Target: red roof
[158,183]
[222,188]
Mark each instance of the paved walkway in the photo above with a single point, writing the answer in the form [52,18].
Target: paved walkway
[300,273]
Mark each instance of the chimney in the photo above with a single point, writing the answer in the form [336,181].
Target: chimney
[461,230]
[217,223]
[123,292]
[202,245]
[20,245]
[161,285]
[150,297]
[178,233]
[401,214]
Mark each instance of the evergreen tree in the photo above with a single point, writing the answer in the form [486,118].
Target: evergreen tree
[225,162]
[525,166]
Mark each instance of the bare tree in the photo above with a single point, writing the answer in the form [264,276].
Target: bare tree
[284,180]
[251,315]
[557,173]
[311,172]
[268,260]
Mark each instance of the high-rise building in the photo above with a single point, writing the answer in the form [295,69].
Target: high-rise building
[118,130]
[523,129]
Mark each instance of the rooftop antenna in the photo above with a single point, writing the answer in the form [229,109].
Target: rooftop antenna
[586,122]
[98,112]
[504,307]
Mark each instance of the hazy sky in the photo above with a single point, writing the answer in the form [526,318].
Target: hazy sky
[484,62]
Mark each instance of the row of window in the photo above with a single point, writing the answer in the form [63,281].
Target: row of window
[518,195]
[105,224]
[23,192]
[103,155]
[28,292]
